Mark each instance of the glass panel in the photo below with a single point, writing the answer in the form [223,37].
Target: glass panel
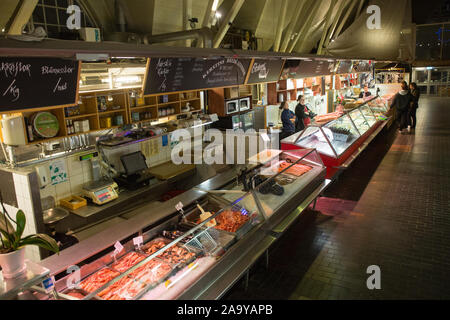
[436,76]
[50,15]
[313,138]
[423,89]
[428,42]
[342,133]
[292,138]
[421,76]
[378,107]
[446,48]
[368,115]
[360,121]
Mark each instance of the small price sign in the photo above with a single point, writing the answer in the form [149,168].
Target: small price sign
[138,241]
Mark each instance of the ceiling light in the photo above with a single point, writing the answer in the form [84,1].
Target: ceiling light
[218,15]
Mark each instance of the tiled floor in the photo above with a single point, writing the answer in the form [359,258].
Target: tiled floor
[390,209]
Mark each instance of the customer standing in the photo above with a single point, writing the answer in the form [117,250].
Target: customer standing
[301,114]
[288,120]
[402,102]
[415,92]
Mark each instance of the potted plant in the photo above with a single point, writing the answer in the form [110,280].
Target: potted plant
[12,253]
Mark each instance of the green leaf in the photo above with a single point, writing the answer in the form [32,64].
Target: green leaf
[5,225]
[21,221]
[41,240]
[8,238]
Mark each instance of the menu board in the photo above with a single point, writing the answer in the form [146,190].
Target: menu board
[183,74]
[265,71]
[29,83]
[361,66]
[290,69]
[344,67]
[317,68]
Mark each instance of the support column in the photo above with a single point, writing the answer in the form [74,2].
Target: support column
[187,14]
[21,18]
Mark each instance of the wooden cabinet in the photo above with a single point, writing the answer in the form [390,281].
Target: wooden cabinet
[114,108]
[218,97]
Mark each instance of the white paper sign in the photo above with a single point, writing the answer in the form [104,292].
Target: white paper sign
[119,248]
[138,241]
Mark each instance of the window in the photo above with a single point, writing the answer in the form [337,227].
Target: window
[52,16]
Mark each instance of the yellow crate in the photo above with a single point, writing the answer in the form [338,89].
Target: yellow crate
[73,202]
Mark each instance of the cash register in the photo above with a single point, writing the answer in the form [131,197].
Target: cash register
[136,171]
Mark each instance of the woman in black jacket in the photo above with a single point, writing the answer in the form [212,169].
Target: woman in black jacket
[415,92]
[300,114]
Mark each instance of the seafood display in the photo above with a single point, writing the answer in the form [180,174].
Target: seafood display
[327,117]
[230,221]
[75,293]
[152,271]
[128,261]
[296,169]
[98,279]
[174,255]
[124,289]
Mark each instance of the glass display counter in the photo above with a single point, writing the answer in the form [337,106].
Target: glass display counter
[339,139]
[205,236]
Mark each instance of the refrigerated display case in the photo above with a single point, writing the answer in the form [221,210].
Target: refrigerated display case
[339,141]
[183,255]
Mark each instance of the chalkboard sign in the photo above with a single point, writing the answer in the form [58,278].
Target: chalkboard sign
[30,83]
[265,71]
[344,67]
[309,69]
[290,69]
[184,74]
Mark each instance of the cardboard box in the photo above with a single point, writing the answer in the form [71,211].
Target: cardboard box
[232,93]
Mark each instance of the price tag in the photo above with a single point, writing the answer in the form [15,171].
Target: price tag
[138,241]
[119,248]
[49,284]
[179,208]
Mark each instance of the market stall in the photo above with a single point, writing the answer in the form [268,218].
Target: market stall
[341,136]
[215,230]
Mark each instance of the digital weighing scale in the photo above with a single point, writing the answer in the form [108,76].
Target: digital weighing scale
[101,192]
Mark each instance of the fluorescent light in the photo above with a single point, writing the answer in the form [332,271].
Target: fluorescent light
[218,15]
[128,79]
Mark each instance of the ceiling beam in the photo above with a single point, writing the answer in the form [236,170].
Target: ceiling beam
[209,14]
[22,16]
[187,14]
[336,20]
[347,15]
[295,17]
[227,21]
[359,8]
[311,14]
[327,26]
[280,27]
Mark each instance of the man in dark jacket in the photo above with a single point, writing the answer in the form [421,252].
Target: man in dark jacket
[300,114]
[402,102]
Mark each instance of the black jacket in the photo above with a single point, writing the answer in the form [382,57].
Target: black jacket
[402,101]
[300,115]
[416,96]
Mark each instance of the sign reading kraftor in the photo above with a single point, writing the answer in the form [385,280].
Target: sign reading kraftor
[29,83]
[183,74]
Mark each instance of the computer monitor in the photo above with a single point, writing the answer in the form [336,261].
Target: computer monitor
[133,163]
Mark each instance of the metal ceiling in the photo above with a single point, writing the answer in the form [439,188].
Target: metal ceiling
[290,26]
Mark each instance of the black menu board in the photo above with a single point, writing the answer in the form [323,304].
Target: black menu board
[290,69]
[29,83]
[317,68]
[183,74]
[265,71]
[344,67]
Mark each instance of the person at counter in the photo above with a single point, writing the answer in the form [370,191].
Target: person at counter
[366,93]
[302,115]
[288,120]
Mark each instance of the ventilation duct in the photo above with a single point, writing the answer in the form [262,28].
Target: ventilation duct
[203,35]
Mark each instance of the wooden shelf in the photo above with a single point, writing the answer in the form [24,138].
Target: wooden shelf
[188,100]
[81,116]
[144,120]
[168,103]
[111,111]
[143,107]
